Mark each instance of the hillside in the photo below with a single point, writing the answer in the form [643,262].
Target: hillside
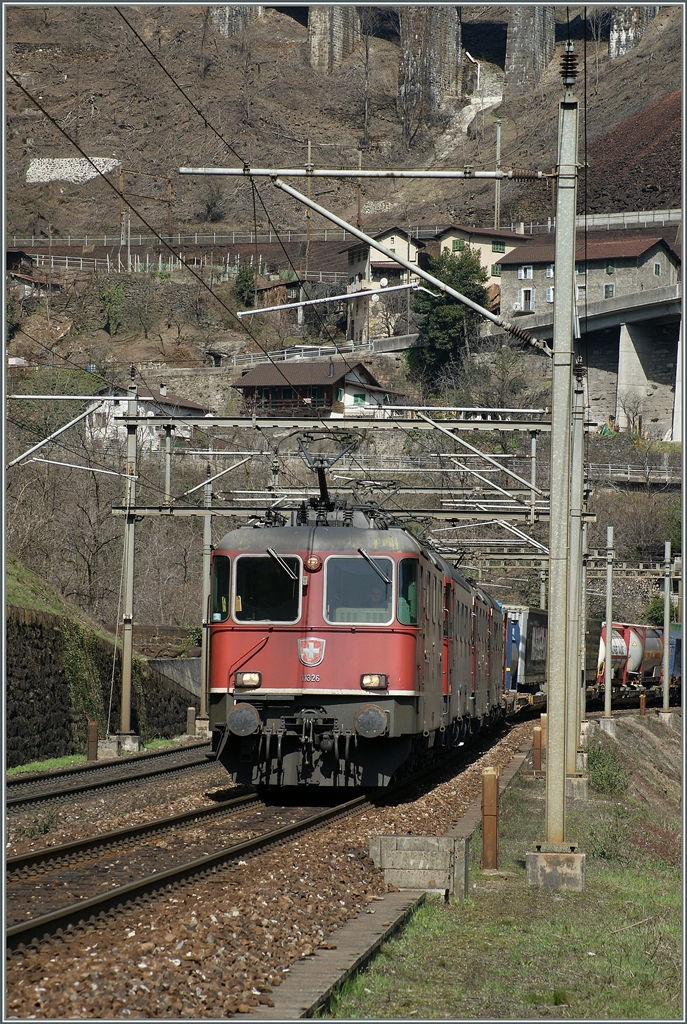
[258,90]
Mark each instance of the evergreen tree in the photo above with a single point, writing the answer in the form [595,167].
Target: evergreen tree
[449,327]
[245,285]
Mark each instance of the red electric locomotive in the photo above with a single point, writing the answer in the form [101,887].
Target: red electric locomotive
[343,652]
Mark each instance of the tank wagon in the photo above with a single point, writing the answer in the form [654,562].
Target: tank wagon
[344,653]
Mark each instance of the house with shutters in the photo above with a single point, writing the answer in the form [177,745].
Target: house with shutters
[330,388]
[603,270]
[370,271]
[490,243]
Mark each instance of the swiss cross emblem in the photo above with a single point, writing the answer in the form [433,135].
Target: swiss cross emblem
[311,651]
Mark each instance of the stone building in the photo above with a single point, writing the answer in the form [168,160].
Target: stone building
[612,268]
[490,243]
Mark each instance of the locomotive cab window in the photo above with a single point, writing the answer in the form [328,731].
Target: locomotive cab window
[408,572]
[356,591]
[221,569]
[267,589]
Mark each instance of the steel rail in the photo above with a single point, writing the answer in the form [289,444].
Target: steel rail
[88,910]
[50,856]
[24,778]
[28,798]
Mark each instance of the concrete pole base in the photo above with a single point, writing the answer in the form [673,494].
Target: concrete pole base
[607,725]
[575,787]
[581,761]
[666,717]
[555,869]
[203,728]
[587,730]
[113,746]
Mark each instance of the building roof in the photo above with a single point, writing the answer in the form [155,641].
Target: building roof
[167,402]
[612,248]
[387,231]
[325,372]
[483,232]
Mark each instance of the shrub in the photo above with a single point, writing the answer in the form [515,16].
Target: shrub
[606,773]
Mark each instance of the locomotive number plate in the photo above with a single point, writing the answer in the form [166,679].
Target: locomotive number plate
[310,677]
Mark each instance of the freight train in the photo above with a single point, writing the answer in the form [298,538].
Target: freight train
[345,653]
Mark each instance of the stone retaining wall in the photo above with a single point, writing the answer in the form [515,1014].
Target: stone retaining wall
[59,674]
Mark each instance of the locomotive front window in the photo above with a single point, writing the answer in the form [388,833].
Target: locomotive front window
[356,592]
[408,569]
[265,591]
[221,569]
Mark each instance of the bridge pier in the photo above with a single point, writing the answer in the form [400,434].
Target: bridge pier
[646,376]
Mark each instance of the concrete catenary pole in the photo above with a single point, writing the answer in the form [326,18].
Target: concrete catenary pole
[583,627]
[572,701]
[609,622]
[129,532]
[533,475]
[561,410]
[204,652]
[666,628]
[497,190]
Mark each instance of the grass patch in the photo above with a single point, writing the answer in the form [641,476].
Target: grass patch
[604,769]
[43,766]
[510,951]
[160,742]
[40,826]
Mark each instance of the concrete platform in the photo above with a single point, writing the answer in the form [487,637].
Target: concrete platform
[312,981]
[607,725]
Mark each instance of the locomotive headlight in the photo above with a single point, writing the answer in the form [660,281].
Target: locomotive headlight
[374,681]
[313,563]
[247,679]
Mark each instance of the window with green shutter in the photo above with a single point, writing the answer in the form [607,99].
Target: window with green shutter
[498,246]
[496,270]
[458,244]
[610,266]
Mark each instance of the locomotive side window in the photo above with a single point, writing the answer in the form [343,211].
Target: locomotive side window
[408,591]
[221,569]
[265,591]
[356,592]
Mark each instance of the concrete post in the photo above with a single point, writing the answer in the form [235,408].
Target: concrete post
[533,474]
[168,463]
[676,434]
[497,191]
[608,667]
[129,538]
[536,748]
[542,726]
[666,629]
[583,627]
[542,585]
[561,410]
[490,819]
[572,699]
[204,652]
[190,721]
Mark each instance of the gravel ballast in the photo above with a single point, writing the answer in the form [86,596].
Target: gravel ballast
[220,945]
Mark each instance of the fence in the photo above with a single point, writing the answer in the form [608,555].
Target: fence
[222,271]
[643,218]
[195,238]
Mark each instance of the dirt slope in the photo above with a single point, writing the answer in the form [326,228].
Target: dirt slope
[104,88]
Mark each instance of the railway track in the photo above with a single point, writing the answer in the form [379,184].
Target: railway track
[32,870]
[88,910]
[71,781]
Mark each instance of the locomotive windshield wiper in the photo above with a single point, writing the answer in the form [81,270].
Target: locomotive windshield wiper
[376,568]
[280,561]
